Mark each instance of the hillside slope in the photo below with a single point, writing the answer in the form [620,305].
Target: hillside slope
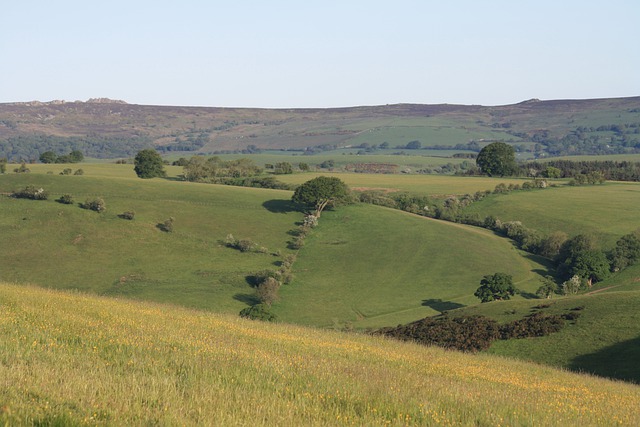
[70,359]
[369,266]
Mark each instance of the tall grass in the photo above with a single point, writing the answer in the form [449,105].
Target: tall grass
[70,359]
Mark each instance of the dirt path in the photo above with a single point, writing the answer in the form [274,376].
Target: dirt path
[603,289]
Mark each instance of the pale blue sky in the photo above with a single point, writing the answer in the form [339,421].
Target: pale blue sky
[328,53]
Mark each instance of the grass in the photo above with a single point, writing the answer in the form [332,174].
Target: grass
[71,359]
[368,266]
[607,211]
[57,245]
[437,185]
[604,340]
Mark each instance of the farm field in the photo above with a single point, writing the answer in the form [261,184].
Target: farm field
[71,359]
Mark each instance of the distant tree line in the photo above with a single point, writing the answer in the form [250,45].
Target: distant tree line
[30,147]
[75,156]
[610,169]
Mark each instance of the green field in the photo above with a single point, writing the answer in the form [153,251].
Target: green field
[363,267]
[607,211]
[368,266]
[57,245]
[70,359]
[433,185]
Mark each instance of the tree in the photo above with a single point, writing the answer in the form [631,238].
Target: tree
[3,165]
[320,192]
[414,145]
[626,252]
[498,286]
[592,265]
[283,168]
[148,164]
[76,156]
[547,288]
[497,159]
[48,157]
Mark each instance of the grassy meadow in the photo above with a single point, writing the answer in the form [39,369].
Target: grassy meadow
[607,211]
[433,185]
[368,266]
[73,359]
[63,246]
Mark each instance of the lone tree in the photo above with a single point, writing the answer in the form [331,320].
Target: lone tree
[497,159]
[320,192]
[148,164]
[498,286]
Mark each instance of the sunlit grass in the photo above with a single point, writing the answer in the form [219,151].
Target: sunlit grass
[72,359]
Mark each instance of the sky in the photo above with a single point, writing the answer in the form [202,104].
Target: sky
[318,54]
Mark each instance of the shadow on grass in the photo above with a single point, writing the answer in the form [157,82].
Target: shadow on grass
[248,299]
[619,361]
[528,295]
[441,306]
[280,206]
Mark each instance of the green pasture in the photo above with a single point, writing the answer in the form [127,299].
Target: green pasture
[55,245]
[370,266]
[607,211]
[436,185]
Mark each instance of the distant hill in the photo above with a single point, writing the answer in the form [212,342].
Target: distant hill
[106,128]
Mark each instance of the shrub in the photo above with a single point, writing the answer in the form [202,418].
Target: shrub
[97,205]
[65,199]
[258,312]
[127,215]
[66,171]
[267,291]
[468,333]
[536,325]
[243,245]
[79,172]
[31,192]
[167,225]
[22,169]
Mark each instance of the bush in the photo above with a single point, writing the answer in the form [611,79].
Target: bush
[97,205]
[536,325]
[127,215]
[267,291]
[79,172]
[65,199]
[166,226]
[243,245]
[258,312]
[468,333]
[31,192]
[22,169]
[66,171]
